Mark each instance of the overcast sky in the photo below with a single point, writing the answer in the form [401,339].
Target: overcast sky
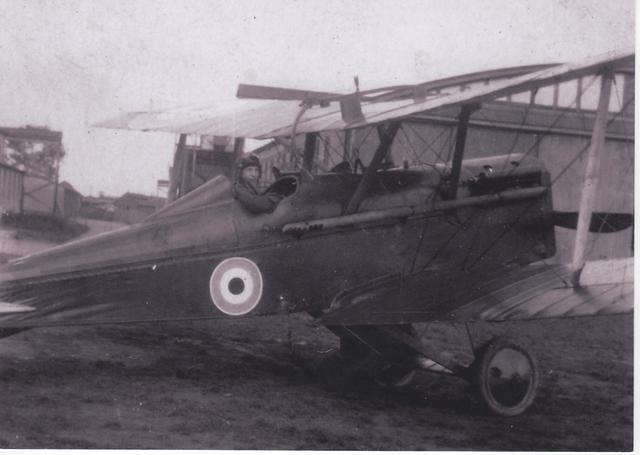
[68,64]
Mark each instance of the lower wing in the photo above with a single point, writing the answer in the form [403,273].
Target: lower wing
[529,292]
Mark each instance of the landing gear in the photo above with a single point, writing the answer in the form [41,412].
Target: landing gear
[394,376]
[371,353]
[506,377]
[504,374]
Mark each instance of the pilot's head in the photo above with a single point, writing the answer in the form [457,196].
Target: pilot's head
[249,170]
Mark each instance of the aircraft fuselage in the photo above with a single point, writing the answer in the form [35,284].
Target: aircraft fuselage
[205,256]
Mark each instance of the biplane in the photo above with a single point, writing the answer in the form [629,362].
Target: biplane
[369,251]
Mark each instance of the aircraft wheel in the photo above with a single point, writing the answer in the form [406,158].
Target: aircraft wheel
[506,377]
[394,376]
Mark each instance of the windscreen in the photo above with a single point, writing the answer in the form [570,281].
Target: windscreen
[215,191]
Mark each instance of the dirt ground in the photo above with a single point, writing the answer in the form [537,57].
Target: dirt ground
[258,384]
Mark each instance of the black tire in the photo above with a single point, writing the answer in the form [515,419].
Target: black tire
[506,377]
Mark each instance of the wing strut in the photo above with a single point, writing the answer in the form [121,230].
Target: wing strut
[461,138]
[346,155]
[590,185]
[386,139]
[310,141]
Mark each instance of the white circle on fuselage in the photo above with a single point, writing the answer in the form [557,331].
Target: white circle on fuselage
[227,288]
[235,286]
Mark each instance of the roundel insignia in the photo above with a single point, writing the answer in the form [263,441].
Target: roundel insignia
[236,286]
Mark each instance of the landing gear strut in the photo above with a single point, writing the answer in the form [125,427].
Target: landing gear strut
[504,374]
[372,351]
[394,376]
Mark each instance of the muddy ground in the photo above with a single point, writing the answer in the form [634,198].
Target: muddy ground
[257,384]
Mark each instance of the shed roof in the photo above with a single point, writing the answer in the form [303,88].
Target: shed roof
[68,186]
[12,168]
[141,200]
[31,133]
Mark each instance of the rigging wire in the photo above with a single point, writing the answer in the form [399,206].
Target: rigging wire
[549,129]
[416,158]
[422,236]
[364,138]
[332,150]
[429,145]
[587,145]
[524,121]
[506,228]
[510,225]
[461,226]
[479,226]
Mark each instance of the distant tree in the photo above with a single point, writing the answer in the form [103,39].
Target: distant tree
[36,158]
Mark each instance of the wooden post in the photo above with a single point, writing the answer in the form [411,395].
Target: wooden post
[22,193]
[458,153]
[55,190]
[238,149]
[386,139]
[310,140]
[591,177]
[184,174]
[177,161]
[194,156]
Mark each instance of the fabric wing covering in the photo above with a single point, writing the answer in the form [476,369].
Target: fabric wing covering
[534,292]
[262,119]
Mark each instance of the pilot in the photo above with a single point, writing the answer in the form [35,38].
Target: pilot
[245,187]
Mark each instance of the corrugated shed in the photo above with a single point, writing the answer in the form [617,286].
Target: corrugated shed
[39,197]
[11,189]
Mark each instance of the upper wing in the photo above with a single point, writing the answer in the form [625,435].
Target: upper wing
[375,113]
[264,92]
[531,292]
[260,119]
[387,93]
[242,118]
